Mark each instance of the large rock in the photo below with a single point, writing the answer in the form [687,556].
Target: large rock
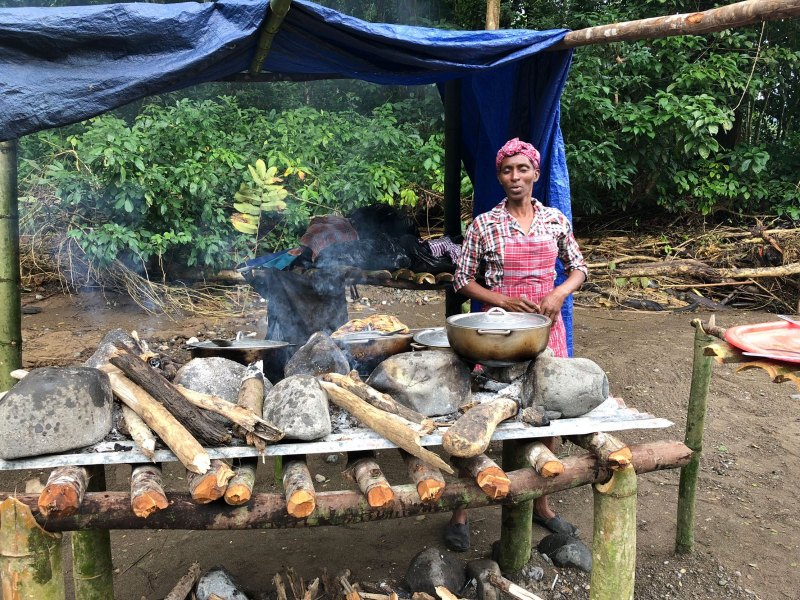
[319,355]
[433,382]
[55,409]
[433,567]
[218,583]
[214,375]
[566,551]
[480,569]
[299,407]
[571,386]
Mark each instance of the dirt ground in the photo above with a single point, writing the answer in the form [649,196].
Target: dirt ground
[747,524]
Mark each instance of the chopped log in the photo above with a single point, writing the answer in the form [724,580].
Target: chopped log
[244,418]
[471,433]
[240,487]
[429,480]
[251,397]
[185,584]
[212,484]
[424,279]
[298,488]
[696,268]
[534,415]
[350,592]
[31,563]
[280,588]
[543,460]
[421,596]
[373,484]
[147,491]
[203,427]
[443,278]
[389,426]
[352,383]
[63,494]
[510,588]
[187,449]
[403,275]
[141,434]
[486,473]
[312,591]
[606,447]
[445,594]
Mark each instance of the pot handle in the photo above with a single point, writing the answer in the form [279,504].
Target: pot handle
[503,332]
[496,310]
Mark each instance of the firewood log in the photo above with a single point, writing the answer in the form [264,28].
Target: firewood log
[298,488]
[379,399]
[545,462]
[471,433]
[512,589]
[487,474]
[251,397]
[212,484]
[240,487]
[202,426]
[141,434]
[147,491]
[389,426]
[608,449]
[429,480]
[63,494]
[445,594]
[362,468]
[183,588]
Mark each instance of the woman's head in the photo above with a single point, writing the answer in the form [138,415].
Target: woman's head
[514,147]
[517,169]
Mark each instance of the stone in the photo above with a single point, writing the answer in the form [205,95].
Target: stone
[566,551]
[319,355]
[433,382]
[106,347]
[571,386]
[216,376]
[219,583]
[55,409]
[432,567]
[299,407]
[479,570]
[506,374]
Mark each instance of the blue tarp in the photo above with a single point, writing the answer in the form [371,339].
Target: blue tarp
[62,65]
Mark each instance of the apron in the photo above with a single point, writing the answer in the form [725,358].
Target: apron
[529,269]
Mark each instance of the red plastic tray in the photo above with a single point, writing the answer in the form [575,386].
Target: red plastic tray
[779,340]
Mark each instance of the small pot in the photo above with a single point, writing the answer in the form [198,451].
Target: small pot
[365,350]
[498,338]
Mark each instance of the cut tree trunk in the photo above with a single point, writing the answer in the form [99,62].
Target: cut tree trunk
[696,268]
[202,426]
[471,433]
[543,460]
[429,480]
[63,494]
[298,488]
[212,484]
[240,487]
[147,491]
[389,426]
[486,473]
[141,434]
[362,468]
[251,397]
[379,399]
[606,447]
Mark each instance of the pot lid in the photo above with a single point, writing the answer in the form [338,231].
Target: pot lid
[497,318]
[240,345]
[435,337]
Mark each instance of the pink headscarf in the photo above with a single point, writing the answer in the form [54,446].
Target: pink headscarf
[514,147]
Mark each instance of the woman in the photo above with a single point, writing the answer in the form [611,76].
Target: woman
[518,242]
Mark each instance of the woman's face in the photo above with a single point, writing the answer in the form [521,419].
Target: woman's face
[517,177]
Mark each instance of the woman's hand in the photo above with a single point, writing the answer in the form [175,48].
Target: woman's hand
[551,304]
[512,304]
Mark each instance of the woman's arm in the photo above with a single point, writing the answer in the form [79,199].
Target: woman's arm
[551,304]
[476,291]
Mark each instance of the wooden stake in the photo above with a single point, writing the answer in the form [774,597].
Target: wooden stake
[378,399]
[147,491]
[298,488]
[211,485]
[486,473]
[31,566]
[429,480]
[63,494]
[10,298]
[185,584]
[614,538]
[142,435]
[240,487]
[92,568]
[471,433]
[606,447]
[514,549]
[540,458]
[251,397]
[371,481]
[203,427]
[387,425]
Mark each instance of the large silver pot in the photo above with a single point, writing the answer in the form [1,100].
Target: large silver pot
[498,338]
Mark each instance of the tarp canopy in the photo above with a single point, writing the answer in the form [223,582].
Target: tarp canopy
[62,65]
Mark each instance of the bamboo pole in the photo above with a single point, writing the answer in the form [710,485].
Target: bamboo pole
[92,569]
[277,12]
[614,539]
[515,520]
[698,23]
[10,300]
[30,558]
[695,425]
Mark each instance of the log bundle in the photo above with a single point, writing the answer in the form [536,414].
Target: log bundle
[147,491]
[365,471]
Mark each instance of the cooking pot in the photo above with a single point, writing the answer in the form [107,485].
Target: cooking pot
[366,349]
[497,338]
[243,351]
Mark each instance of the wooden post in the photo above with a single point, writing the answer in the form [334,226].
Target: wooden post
[92,569]
[614,539]
[492,14]
[277,12]
[695,425]
[10,314]
[515,525]
[30,557]
[452,177]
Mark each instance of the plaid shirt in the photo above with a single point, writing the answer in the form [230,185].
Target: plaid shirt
[484,242]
